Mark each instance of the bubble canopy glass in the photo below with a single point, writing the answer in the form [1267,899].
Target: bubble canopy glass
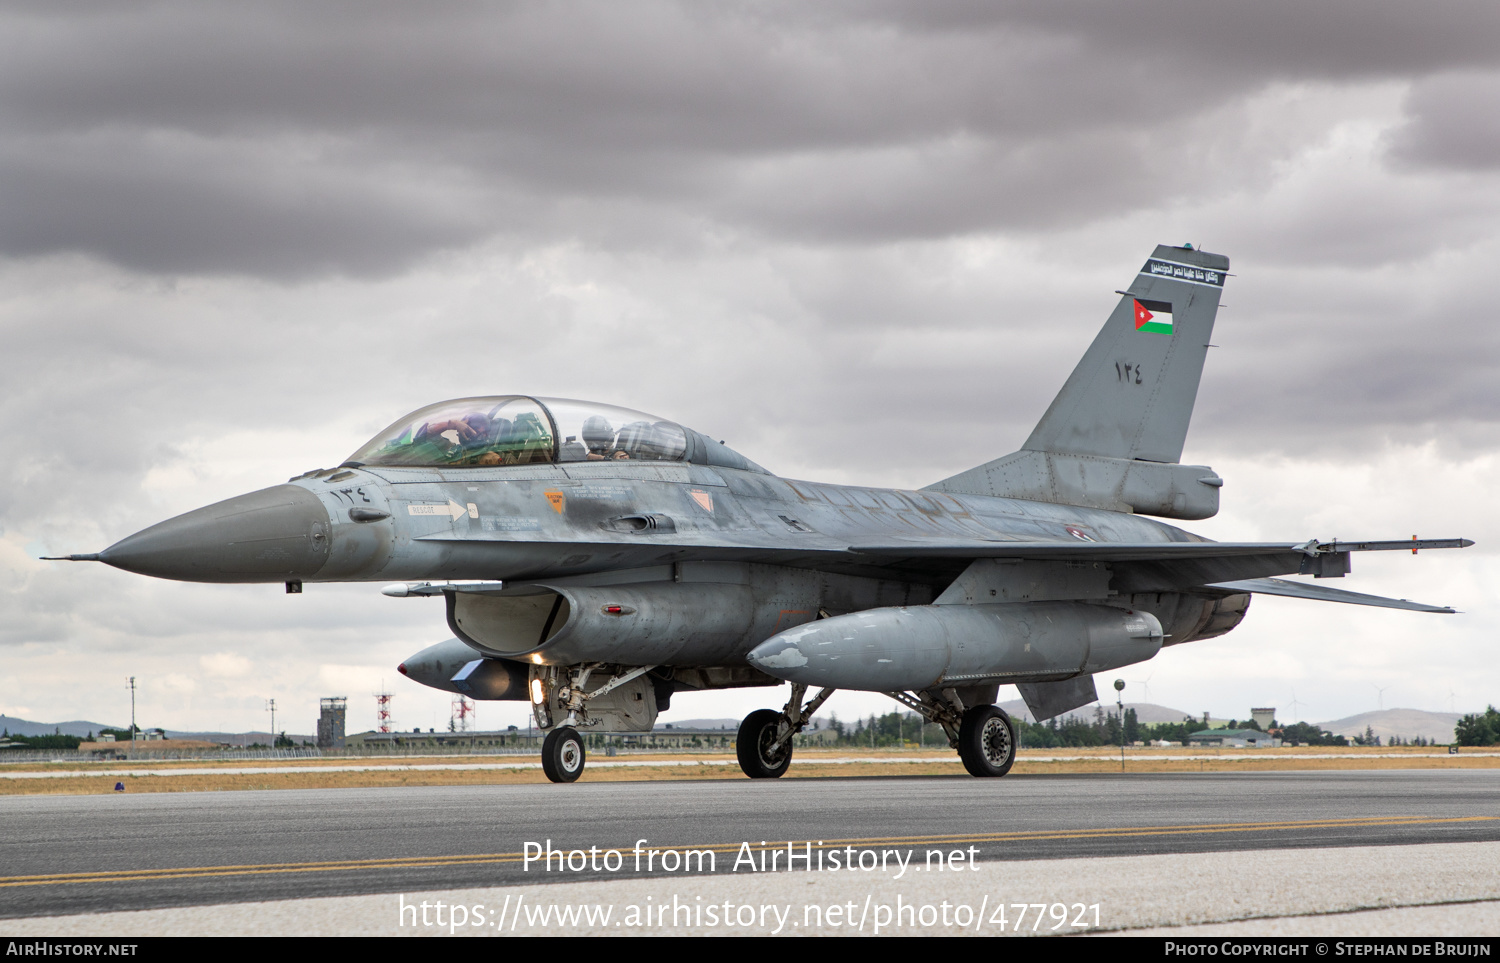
[520,430]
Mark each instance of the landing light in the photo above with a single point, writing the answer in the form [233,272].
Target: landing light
[537,695]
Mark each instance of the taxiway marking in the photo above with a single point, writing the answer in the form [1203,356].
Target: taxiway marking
[430,862]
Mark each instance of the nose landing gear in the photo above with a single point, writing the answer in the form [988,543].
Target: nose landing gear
[563,754]
[563,694]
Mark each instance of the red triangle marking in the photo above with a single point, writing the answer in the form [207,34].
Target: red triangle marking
[1141,315]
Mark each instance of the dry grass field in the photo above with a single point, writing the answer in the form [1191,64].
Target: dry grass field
[210,776]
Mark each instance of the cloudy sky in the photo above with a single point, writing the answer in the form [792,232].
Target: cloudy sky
[861,242]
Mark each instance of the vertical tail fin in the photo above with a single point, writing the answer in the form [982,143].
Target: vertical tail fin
[1132,394]
[1113,436]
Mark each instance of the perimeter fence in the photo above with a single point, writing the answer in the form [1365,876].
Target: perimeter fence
[526,748]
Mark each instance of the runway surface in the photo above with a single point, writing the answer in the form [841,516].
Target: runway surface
[80,854]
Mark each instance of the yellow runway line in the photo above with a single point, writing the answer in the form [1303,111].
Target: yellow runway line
[428,862]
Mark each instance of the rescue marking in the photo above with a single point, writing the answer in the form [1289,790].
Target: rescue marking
[452,509]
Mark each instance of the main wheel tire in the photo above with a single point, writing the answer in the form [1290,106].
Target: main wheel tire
[753,745]
[987,741]
[563,755]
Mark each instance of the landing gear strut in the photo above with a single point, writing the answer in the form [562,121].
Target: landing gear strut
[566,692]
[983,734]
[764,743]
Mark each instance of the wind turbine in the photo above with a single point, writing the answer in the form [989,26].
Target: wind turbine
[1380,690]
[1296,714]
[1145,684]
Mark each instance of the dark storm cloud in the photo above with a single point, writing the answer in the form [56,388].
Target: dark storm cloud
[194,208]
[1200,43]
[1453,123]
[287,140]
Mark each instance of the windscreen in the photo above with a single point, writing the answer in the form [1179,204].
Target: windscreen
[511,430]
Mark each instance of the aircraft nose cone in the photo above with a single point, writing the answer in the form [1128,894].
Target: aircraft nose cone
[271,535]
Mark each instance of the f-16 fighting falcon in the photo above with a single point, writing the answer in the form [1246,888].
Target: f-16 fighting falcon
[595,560]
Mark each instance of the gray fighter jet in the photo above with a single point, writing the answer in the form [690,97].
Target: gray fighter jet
[595,560]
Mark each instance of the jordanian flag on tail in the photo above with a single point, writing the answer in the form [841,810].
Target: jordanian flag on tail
[1153,316]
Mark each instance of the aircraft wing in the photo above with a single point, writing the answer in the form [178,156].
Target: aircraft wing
[1299,590]
[1139,551]
[1165,566]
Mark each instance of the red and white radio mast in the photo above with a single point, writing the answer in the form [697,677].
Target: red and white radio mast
[382,710]
[463,712]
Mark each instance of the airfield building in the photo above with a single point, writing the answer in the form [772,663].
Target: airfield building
[331,722]
[1233,738]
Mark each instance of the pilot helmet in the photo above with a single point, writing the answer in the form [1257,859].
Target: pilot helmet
[598,434]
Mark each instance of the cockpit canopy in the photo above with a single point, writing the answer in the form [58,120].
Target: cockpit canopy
[520,430]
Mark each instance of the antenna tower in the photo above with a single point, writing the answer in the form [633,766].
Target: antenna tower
[382,711]
[463,714]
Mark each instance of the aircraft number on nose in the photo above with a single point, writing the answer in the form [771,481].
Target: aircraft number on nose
[1128,372]
[349,493]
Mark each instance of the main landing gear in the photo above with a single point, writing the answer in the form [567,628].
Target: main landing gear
[987,741]
[983,734]
[764,744]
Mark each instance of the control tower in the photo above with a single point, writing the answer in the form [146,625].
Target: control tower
[331,722]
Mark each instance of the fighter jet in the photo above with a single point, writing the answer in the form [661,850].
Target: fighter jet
[596,560]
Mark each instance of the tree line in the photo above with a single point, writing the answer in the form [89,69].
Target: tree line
[1103,729]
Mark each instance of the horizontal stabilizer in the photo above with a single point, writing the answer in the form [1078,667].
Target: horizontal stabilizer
[1298,590]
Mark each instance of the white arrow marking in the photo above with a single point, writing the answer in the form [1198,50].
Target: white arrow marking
[452,509]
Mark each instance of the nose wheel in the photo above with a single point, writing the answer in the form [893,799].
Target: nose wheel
[563,755]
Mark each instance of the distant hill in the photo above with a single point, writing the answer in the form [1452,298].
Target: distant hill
[1406,723]
[1144,711]
[25,727]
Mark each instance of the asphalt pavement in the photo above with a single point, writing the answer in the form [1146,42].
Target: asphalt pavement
[89,854]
